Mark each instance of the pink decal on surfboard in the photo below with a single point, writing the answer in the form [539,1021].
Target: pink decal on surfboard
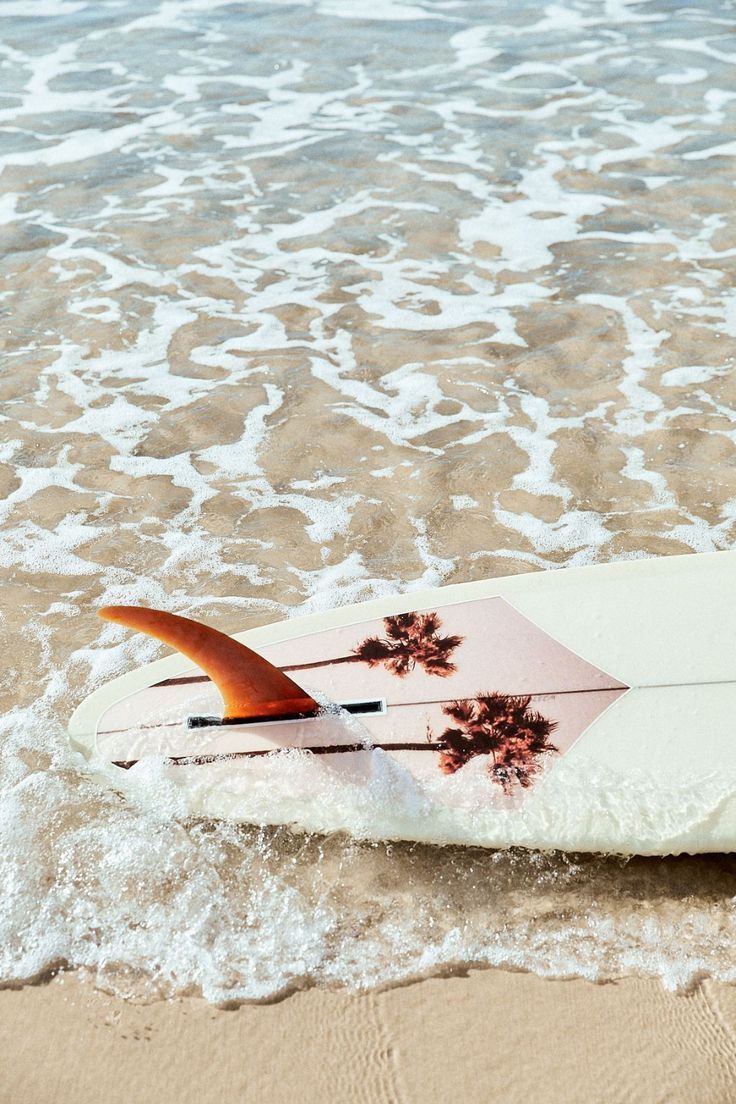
[475,680]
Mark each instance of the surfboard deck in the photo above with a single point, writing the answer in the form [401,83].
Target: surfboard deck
[589,709]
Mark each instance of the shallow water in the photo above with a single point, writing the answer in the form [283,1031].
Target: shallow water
[304,308]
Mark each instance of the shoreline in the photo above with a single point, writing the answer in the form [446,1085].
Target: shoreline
[492,1035]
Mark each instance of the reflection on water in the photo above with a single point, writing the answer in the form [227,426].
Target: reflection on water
[303,308]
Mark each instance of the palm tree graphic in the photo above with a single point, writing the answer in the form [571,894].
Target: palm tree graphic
[503,727]
[410,640]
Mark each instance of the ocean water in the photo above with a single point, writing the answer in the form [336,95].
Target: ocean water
[308,302]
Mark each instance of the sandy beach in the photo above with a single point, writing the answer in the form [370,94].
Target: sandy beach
[489,1036]
[307,305]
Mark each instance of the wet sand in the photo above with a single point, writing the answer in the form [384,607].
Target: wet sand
[489,1036]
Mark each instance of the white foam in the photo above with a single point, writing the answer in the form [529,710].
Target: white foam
[690,374]
[684,76]
[259,911]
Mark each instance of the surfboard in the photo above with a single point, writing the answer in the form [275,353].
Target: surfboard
[587,709]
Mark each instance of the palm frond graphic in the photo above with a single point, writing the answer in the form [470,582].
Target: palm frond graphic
[502,726]
[410,640]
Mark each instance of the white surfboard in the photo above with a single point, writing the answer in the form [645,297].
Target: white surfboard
[589,709]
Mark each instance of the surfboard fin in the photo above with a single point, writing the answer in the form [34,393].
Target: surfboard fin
[251,687]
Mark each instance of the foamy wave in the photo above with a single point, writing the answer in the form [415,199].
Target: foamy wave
[152,904]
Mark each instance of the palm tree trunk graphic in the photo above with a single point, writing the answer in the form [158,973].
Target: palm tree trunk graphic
[501,726]
[322,663]
[411,640]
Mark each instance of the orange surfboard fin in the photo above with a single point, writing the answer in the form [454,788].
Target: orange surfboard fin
[250,686]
